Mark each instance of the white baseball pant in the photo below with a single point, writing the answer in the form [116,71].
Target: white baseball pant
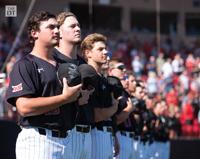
[32,145]
[102,144]
[81,144]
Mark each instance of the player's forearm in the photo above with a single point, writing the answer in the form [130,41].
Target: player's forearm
[122,116]
[35,106]
[103,113]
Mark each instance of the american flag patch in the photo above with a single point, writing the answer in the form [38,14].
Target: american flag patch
[17,88]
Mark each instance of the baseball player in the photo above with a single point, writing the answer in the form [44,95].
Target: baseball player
[94,51]
[36,92]
[141,136]
[161,144]
[137,123]
[81,114]
[125,107]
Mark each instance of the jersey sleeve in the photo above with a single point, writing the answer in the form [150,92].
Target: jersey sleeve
[23,81]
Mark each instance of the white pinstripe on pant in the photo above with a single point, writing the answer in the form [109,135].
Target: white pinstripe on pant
[81,145]
[102,144]
[31,145]
[126,147]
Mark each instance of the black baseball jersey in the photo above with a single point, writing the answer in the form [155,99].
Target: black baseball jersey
[101,98]
[102,94]
[162,130]
[60,58]
[34,77]
[123,101]
[127,125]
[79,114]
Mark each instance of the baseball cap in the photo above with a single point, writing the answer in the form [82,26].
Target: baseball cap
[116,86]
[89,76]
[70,72]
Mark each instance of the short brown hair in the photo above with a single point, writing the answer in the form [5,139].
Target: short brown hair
[63,15]
[35,21]
[87,43]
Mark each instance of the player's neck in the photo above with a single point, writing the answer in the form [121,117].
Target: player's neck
[131,92]
[42,52]
[67,49]
[96,66]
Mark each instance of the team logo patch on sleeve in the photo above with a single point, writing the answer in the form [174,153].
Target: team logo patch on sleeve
[17,88]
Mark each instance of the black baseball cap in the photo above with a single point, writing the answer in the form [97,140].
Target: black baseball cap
[116,86]
[70,72]
[89,76]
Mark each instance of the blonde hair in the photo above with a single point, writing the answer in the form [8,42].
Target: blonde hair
[63,15]
[113,62]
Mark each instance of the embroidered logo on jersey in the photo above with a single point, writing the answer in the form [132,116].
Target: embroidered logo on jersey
[53,112]
[40,70]
[103,87]
[17,88]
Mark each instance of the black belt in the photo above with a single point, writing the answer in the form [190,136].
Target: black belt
[55,133]
[105,128]
[84,129]
[128,134]
[136,137]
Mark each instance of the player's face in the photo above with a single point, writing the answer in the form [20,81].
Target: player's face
[70,30]
[160,109]
[118,70]
[99,53]
[48,33]
[138,92]
[131,83]
[124,82]
[144,90]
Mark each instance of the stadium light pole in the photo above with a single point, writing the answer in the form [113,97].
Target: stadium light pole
[19,33]
[158,25]
[90,11]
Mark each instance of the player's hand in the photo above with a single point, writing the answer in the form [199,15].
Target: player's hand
[85,95]
[129,106]
[70,93]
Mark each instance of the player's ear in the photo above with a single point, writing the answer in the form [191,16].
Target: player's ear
[61,31]
[34,34]
[87,53]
